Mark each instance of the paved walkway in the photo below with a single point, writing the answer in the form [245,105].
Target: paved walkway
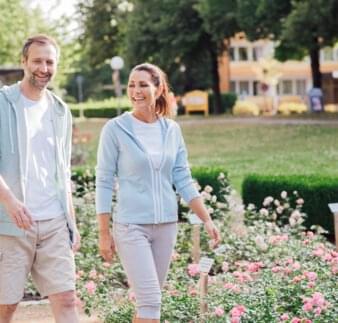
[40,312]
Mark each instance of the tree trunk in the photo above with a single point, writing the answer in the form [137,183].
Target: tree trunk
[215,80]
[315,67]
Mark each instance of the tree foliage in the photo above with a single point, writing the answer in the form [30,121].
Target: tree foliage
[185,37]
[302,27]
[16,23]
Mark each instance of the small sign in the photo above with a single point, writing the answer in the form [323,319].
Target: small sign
[194,219]
[333,207]
[205,264]
[220,250]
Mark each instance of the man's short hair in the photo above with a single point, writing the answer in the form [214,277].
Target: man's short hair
[41,39]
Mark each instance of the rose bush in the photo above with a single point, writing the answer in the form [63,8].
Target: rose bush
[268,270]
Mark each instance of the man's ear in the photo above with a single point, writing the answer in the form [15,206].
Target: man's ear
[23,60]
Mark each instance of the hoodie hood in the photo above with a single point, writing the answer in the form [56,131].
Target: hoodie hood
[12,94]
[125,121]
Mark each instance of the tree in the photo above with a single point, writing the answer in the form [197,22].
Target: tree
[186,34]
[100,25]
[220,22]
[300,27]
[14,20]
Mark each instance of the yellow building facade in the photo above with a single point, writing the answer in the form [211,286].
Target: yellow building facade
[242,68]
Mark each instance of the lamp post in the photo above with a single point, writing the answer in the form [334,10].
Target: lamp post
[117,64]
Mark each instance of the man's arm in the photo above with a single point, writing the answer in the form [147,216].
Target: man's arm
[14,208]
[77,237]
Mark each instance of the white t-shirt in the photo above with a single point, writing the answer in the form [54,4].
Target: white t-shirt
[150,136]
[41,192]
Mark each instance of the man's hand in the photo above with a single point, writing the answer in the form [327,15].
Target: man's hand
[18,212]
[213,233]
[77,242]
[106,246]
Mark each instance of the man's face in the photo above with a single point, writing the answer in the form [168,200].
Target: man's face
[40,65]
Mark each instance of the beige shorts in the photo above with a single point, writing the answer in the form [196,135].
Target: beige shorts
[45,252]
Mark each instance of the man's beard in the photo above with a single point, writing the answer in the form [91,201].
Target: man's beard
[39,84]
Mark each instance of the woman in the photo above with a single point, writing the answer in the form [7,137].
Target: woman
[144,150]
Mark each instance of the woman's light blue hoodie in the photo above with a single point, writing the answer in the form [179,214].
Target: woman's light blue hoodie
[145,193]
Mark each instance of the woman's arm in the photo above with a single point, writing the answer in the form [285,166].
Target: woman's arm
[106,242]
[198,207]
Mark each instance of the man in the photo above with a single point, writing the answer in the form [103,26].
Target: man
[37,224]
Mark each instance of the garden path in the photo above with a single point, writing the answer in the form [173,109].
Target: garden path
[39,312]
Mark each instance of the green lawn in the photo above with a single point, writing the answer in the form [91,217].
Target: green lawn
[252,148]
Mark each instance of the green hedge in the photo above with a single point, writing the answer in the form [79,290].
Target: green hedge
[84,177]
[228,100]
[99,112]
[317,192]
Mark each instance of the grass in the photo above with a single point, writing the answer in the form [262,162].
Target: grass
[252,148]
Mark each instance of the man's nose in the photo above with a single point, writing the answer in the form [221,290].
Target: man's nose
[43,67]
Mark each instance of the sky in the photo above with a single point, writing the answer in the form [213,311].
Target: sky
[54,8]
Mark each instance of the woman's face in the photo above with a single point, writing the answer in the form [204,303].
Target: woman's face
[141,90]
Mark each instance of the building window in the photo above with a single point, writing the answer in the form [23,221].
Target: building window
[242,53]
[233,87]
[301,87]
[256,88]
[286,87]
[244,88]
[257,53]
[232,53]
[327,54]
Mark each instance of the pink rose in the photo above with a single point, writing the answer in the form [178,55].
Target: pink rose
[218,311]
[92,274]
[225,266]
[284,317]
[310,275]
[296,320]
[91,287]
[193,270]
[237,311]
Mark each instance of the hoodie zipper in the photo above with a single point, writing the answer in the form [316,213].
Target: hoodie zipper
[155,173]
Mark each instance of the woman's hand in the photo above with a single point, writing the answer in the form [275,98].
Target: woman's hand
[106,246]
[213,233]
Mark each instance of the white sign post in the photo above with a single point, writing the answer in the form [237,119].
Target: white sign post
[196,237]
[334,209]
[205,265]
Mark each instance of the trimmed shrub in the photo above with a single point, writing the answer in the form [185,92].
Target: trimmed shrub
[292,107]
[75,112]
[101,109]
[246,108]
[103,112]
[317,192]
[207,176]
[228,100]
[84,177]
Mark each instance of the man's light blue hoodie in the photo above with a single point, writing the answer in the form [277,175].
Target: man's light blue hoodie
[13,152]
[145,193]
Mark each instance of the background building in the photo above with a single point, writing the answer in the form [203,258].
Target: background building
[238,71]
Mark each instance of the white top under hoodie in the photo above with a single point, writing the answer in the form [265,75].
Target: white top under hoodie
[41,199]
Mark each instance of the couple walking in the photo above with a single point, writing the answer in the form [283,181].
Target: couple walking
[143,150]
